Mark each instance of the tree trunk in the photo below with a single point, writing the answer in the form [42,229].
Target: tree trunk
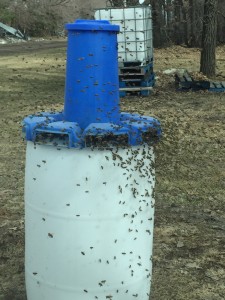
[178,28]
[192,12]
[208,53]
[186,24]
[159,38]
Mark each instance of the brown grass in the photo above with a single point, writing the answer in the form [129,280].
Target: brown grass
[190,222]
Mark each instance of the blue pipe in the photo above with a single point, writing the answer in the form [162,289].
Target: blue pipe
[92,84]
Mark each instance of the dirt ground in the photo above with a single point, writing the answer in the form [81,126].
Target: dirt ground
[189,236]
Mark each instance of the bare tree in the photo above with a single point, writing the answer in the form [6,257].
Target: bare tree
[58,2]
[35,17]
[208,53]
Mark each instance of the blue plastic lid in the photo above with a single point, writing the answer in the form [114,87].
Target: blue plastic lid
[93,25]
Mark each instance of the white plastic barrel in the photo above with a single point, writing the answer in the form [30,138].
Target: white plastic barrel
[89,222]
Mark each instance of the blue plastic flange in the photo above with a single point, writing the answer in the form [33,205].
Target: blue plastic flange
[132,128]
[92,25]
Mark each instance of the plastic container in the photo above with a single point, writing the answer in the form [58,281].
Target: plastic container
[89,231]
[86,89]
[135,37]
[89,189]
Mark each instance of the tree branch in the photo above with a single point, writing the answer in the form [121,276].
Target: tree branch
[220,13]
[58,2]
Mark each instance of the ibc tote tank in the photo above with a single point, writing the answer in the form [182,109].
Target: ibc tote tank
[135,40]
[89,183]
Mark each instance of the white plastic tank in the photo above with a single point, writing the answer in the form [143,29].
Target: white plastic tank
[89,223]
[89,183]
[135,41]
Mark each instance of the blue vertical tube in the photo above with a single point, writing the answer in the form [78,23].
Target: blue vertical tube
[92,84]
